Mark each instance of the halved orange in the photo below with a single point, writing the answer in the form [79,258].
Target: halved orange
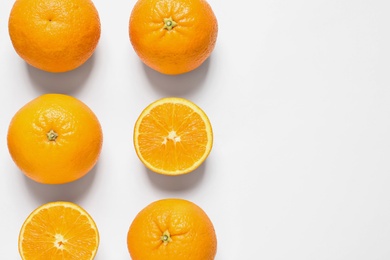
[59,230]
[173,136]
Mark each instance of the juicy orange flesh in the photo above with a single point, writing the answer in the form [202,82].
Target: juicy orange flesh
[172,137]
[59,233]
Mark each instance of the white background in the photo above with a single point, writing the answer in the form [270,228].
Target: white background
[298,95]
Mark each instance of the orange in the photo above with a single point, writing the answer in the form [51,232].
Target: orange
[55,139]
[172,229]
[173,136]
[59,230]
[173,36]
[54,35]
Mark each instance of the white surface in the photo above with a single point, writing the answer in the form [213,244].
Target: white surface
[298,95]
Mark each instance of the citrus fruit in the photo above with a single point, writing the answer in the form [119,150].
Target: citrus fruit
[55,139]
[54,35]
[172,229]
[173,136]
[173,36]
[59,230]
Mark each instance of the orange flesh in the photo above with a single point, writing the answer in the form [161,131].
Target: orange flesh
[58,232]
[172,137]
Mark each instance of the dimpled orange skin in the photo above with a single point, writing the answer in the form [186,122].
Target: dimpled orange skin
[172,229]
[54,35]
[55,139]
[179,49]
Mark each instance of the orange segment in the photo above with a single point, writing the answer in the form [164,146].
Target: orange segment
[173,136]
[59,230]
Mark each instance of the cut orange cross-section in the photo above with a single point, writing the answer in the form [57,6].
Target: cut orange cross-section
[173,136]
[59,230]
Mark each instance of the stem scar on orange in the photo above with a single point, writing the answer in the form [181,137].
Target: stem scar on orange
[54,35]
[59,230]
[172,229]
[55,139]
[173,136]
[173,36]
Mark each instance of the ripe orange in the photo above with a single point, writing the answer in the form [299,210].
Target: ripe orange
[173,36]
[54,35]
[59,230]
[55,139]
[172,229]
[173,136]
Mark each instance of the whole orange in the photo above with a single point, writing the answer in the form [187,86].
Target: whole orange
[55,139]
[173,36]
[54,35]
[172,229]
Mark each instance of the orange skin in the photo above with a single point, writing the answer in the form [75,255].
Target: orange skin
[55,139]
[173,36]
[172,229]
[54,35]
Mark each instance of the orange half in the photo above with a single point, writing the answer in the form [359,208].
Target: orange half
[173,136]
[59,230]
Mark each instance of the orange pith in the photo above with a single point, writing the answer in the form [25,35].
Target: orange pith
[55,139]
[173,136]
[59,230]
[54,35]
[172,229]
[173,36]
